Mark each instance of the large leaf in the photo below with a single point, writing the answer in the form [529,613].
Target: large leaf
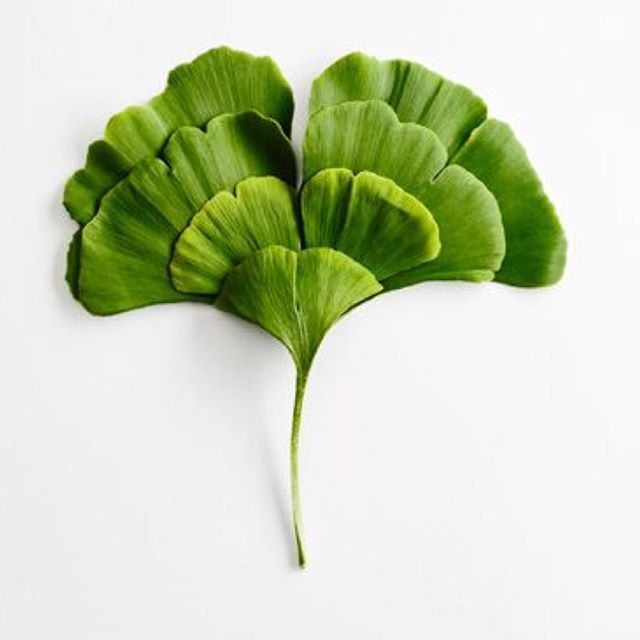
[367,136]
[228,229]
[296,296]
[126,248]
[415,93]
[233,147]
[219,81]
[471,232]
[370,219]
[536,244]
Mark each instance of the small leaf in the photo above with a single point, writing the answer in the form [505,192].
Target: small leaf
[296,297]
[536,244]
[219,81]
[367,136]
[228,229]
[370,219]
[415,93]
[127,247]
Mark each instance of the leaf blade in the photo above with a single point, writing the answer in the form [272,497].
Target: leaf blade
[536,243]
[340,136]
[230,228]
[219,81]
[415,93]
[130,241]
[296,297]
[369,218]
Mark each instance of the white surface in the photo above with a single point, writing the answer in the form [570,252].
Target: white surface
[470,455]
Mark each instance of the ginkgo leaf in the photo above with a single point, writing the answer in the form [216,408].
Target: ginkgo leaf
[244,144]
[473,240]
[367,136]
[415,93]
[219,81]
[296,296]
[126,248]
[536,244]
[230,228]
[369,218]
[405,180]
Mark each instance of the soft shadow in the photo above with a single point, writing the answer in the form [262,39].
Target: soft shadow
[65,228]
[241,359]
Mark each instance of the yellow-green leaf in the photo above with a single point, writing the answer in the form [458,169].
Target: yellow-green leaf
[230,228]
[369,218]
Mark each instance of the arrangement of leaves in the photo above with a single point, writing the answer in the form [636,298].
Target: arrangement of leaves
[193,197]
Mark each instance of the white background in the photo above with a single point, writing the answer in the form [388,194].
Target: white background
[470,454]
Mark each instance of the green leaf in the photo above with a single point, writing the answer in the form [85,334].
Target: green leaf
[233,147]
[127,246]
[367,136]
[228,229]
[415,93]
[217,82]
[296,297]
[370,219]
[473,242]
[536,244]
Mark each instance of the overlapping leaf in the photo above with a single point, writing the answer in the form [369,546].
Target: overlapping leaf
[296,296]
[370,219]
[219,81]
[126,248]
[414,92]
[536,246]
[367,136]
[229,229]
[405,181]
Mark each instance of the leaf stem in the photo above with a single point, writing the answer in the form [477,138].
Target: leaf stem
[301,383]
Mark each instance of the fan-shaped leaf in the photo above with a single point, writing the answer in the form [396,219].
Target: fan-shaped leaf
[370,219]
[126,248]
[228,229]
[296,297]
[473,242]
[415,93]
[365,136]
[219,81]
[536,244]
[244,144]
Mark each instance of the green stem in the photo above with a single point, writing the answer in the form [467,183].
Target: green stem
[301,382]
